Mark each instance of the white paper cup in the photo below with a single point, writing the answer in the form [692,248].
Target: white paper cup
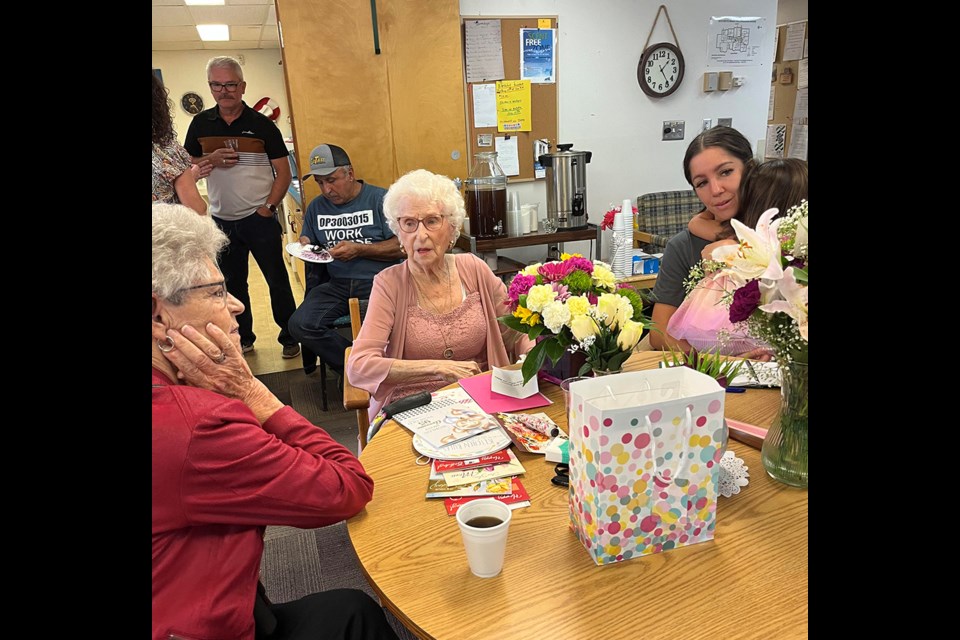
[485,546]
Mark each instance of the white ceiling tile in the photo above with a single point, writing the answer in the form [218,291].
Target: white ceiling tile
[270,33]
[233,44]
[168,3]
[177,46]
[229,15]
[271,15]
[240,2]
[245,33]
[175,34]
[171,16]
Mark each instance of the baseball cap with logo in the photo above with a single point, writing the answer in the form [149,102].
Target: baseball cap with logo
[325,159]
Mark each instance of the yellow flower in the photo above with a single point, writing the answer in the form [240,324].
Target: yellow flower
[583,326]
[629,335]
[567,256]
[531,269]
[578,305]
[539,296]
[603,276]
[526,316]
[615,308]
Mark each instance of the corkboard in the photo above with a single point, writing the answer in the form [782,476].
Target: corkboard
[543,97]
[784,95]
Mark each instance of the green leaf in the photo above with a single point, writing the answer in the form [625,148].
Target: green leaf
[533,361]
[536,330]
[554,350]
[616,362]
[513,322]
[800,275]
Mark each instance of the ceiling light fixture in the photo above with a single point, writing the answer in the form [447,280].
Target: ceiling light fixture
[213,32]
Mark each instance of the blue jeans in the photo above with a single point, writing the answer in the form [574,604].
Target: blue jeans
[312,323]
[262,237]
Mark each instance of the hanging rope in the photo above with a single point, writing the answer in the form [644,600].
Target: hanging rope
[664,9]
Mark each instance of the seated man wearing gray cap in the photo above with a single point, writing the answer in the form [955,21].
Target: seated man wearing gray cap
[348,218]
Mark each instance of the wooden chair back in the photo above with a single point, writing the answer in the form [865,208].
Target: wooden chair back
[353,398]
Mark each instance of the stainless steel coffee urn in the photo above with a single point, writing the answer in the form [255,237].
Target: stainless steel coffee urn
[567,186]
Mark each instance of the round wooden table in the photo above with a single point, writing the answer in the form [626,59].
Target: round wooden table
[749,582]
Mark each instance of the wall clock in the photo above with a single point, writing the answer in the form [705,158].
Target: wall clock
[191,103]
[660,71]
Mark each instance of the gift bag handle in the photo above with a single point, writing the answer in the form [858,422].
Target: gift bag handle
[687,424]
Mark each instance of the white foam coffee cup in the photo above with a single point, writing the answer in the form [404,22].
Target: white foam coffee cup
[485,545]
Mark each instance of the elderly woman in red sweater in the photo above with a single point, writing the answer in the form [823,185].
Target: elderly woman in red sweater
[229,459]
[431,319]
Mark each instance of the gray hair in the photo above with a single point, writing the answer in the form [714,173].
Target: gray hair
[225,62]
[425,187]
[182,241]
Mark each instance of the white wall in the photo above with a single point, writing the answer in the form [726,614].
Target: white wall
[791,11]
[185,71]
[602,108]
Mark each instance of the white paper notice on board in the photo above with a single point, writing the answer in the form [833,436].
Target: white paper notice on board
[735,41]
[802,75]
[484,105]
[798,142]
[507,155]
[770,105]
[796,35]
[800,107]
[483,50]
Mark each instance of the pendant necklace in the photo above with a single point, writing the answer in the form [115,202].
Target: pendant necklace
[447,352]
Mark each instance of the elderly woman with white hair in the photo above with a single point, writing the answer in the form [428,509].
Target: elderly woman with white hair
[431,319]
[229,459]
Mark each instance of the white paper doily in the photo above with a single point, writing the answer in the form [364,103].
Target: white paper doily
[733,474]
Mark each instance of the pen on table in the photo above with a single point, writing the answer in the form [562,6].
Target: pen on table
[736,389]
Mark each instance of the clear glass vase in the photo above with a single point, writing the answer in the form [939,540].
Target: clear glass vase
[784,452]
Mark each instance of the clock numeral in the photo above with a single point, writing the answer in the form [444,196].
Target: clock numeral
[674,68]
[660,87]
[649,63]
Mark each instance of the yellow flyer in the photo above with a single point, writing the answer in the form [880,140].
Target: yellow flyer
[513,105]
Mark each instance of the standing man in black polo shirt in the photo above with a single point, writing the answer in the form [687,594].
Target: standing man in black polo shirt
[250,176]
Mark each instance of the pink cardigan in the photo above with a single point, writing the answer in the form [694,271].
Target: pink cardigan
[384,328]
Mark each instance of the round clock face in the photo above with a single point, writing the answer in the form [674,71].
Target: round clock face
[191,103]
[660,70]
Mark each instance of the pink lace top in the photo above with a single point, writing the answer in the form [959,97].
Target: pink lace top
[428,336]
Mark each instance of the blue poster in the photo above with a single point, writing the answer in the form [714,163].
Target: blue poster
[538,55]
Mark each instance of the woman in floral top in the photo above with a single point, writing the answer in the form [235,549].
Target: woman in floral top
[173,179]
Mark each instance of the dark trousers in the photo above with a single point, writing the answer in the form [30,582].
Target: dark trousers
[341,614]
[312,323]
[262,237]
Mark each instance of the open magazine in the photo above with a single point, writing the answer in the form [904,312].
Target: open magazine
[451,416]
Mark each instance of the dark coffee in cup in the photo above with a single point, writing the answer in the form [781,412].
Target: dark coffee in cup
[484,522]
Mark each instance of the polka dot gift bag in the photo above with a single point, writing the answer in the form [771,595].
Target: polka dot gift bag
[645,449]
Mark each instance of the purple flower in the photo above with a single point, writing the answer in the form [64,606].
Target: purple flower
[519,286]
[592,298]
[745,301]
[562,292]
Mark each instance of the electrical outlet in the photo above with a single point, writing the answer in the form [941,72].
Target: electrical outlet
[673,129]
[725,122]
[707,123]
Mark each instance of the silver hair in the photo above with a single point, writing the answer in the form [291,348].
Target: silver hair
[182,241]
[425,187]
[225,62]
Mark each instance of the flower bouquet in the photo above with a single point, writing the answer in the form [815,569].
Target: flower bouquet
[575,304]
[608,217]
[768,269]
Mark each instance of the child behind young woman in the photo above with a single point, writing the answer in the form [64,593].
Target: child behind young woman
[703,319]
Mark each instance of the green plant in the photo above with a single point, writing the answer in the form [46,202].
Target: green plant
[719,367]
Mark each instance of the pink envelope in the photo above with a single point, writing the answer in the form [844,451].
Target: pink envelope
[491,402]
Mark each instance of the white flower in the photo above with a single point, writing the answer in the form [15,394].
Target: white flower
[794,302]
[531,269]
[555,315]
[757,255]
[613,309]
[539,296]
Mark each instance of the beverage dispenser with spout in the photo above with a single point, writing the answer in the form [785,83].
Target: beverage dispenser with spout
[485,196]
[566,186]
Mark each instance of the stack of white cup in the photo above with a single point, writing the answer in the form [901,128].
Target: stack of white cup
[622,262]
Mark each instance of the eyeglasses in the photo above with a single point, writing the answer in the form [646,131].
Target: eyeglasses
[220,86]
[219,295]
[430,223]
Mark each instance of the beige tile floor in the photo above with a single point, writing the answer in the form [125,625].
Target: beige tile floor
[267,354]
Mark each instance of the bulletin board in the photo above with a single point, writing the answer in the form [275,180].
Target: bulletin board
[543,97]
[785,95]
